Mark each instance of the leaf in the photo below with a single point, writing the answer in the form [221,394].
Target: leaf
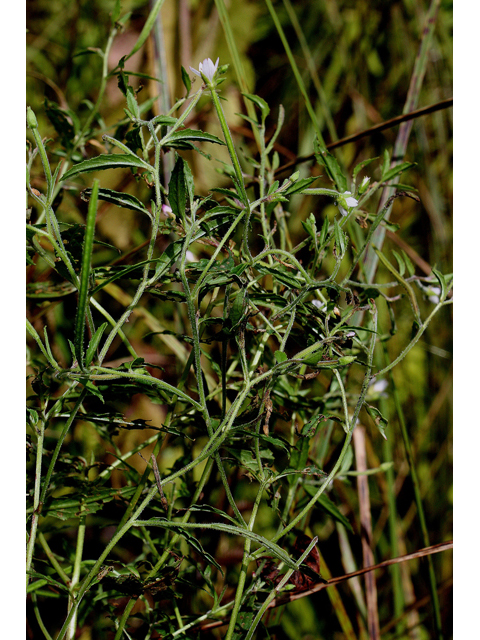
[94,342]
[147,27]
[189,134]
[441,280]
[397,170]
[116,12]
[280,356]
[330,163]
[164,120]
[299,456]
[310,226]
[93,390]
[186,80]
[401,262]
[236,313]
[49,290]
[107,161]
[380,422]
[260,102]
[61,123]
[33,586]
[73,506]
[299,185]
[83,301]
[118,198]
[177,193]
[220,526]
[340,240]
[408,263]
[132,103]
[226,192]
[362,165]
[324,232]
[282,276]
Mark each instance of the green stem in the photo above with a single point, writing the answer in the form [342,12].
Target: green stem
[76,575]
[414,340]
[420,510]
[296,72]
[243,571]
[39,617]
[58,446]
[40,431]
[51,556]
[393,523]
[236,165]
[237,63]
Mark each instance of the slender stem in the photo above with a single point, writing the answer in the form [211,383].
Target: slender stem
[60,440]
[40,431]
[51,556]
[420,510]
[413,341]
[76,575]
[236,165]
[39,617]
[243,571]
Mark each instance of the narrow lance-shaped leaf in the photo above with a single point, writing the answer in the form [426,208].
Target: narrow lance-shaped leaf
[186,80]
[177,193]
[147,27]
[189,134]
[94,342]
[378,419]
[260,102]
[107,161]
[85,275]
[118,198]
[327,160]
[276,550]
[339,237]
[397,170]
[362,165]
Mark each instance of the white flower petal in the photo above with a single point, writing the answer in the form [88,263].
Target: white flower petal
[352,202]
[207,68]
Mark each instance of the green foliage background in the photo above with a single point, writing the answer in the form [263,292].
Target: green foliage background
[363,54]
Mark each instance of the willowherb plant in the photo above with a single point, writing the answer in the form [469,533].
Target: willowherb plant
[273,368]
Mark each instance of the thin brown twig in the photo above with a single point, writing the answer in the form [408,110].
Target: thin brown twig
[387,124]
[426,551]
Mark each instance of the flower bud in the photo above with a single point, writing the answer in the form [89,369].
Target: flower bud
[31,119]
[364,186]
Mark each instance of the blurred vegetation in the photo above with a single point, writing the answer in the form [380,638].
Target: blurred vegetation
[362,55]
